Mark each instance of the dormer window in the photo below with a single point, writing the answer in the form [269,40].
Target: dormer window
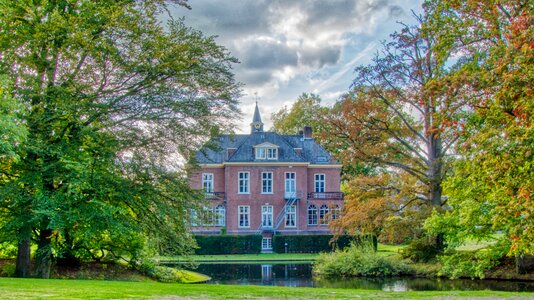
[266,151]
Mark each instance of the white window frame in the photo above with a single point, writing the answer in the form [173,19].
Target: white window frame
[290,189]
[243,183]
[266,182]
[323,214]
[243,216]
[207,183]
[312,215]
[272,153]
[291,216]
[219,213]
[261,153]
[336,212]
[320,183]
[267,216]
[266,243]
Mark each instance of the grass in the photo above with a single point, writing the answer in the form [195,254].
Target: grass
[13,288]
[383,249]
[263,257]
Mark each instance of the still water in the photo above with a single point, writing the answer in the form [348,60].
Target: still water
[300,275]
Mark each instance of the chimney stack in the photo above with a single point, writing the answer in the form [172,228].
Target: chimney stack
[307,132]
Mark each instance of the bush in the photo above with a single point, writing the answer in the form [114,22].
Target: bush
[359,260]
[314,243]
[161,273]
[422,250]
[228,244]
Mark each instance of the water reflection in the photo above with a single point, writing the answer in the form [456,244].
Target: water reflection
[300,275]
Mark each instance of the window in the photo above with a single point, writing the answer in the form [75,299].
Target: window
[220,215]
[244,216]
[266,153]
[272,153]
[323,212]
[266,182]
[266,244]
[319,183]
[243,182]
[336,211]
[207,217]
[312,215]
[291,185]
[207,183]
[261,153]
[267,216]
[291,216]
[194,217]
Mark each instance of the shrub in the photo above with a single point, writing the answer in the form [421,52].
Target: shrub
[161,273]
[228,244]
[359,260]
[422,250]
[314,243]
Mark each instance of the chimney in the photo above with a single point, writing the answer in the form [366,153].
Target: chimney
[307,132]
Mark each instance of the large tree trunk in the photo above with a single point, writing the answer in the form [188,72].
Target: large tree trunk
[43,256]
[22,268]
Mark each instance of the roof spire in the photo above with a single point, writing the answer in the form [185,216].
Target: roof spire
[257,124]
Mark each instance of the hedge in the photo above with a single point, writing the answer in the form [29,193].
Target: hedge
[251,244]
[314,243]
[228,244]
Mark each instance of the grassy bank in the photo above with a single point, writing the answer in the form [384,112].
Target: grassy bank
[11,288]
[385,250]
[263,257]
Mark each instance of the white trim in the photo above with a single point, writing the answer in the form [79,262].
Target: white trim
[272,183]
[266,145]
[239,216]
[238,183]
[261,163]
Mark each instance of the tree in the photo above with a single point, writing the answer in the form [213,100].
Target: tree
[113,99]
[306,111]
[393,120]
[491,189]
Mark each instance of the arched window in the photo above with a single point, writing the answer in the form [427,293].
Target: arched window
[323,212]
[312,215]
[220,215]
[336,211]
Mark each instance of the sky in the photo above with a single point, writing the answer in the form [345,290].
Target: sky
[289,47]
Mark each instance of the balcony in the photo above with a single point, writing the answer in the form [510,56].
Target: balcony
[216,196]
[293,195]
[326,196]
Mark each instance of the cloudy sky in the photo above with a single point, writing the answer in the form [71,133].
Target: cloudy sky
[288,47]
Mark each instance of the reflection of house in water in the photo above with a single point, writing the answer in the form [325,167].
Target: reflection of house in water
[266,273]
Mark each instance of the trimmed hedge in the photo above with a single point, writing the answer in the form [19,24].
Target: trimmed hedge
[228,244]
[314,243]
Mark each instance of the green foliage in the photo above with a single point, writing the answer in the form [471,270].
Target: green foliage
[306,111]
[471,264]
[112,100]
[314,243]
[162,273]
[228,244]
[423,249]
[491,188]
[359,260]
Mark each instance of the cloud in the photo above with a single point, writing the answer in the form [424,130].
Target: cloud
[265,53]
[290,47]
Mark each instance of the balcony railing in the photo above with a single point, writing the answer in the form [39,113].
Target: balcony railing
[216,196]
[326,196]
[293,195]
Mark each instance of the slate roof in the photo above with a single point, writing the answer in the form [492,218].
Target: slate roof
[243,144]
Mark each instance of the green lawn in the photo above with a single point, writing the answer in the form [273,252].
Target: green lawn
[11,288]
[307,257]
[264,257]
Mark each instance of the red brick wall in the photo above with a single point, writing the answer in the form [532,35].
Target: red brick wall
[226,179]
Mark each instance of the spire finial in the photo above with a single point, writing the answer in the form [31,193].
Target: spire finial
[257,124]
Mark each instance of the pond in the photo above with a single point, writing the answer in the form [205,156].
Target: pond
[300,275]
